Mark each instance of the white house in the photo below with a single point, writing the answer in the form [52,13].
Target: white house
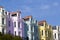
[58,32]
[2,20]
[55,32]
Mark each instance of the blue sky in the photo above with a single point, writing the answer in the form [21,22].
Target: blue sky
[48,10]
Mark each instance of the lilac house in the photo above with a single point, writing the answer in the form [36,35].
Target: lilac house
[15,24]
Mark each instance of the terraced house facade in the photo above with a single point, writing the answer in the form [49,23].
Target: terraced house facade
[55,33]
[31,28]
[45,30]
[14,24]
[2,20]
[28,28]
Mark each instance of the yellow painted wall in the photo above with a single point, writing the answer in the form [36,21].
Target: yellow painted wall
[45,36]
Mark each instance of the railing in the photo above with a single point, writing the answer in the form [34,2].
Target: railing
[3,25]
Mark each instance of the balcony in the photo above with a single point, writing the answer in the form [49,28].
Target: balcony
[3,25]
[3,16]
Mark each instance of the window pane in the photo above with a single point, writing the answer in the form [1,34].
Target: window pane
[6,13]
[14,14]
[14,24]
[19,33]
[18,24]
[9,32]
[42,24]
[3,30]
[15,33]
[2,20]
[42,32]
[9,23]
[55,35]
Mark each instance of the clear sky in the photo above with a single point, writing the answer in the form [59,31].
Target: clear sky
[48,10]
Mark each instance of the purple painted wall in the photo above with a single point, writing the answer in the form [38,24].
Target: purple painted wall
[9,28]
[22,28]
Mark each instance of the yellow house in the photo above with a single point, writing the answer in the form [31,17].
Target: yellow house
[45,30]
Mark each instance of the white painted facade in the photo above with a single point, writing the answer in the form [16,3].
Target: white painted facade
[2,20]
[55,33]
[58,32]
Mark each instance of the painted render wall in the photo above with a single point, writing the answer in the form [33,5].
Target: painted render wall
[12,28]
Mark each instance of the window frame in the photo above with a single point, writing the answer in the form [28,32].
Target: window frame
[2,20]
[14,24]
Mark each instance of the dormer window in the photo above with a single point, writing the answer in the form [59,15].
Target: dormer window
[41,24]
[14,14]
[26,19]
